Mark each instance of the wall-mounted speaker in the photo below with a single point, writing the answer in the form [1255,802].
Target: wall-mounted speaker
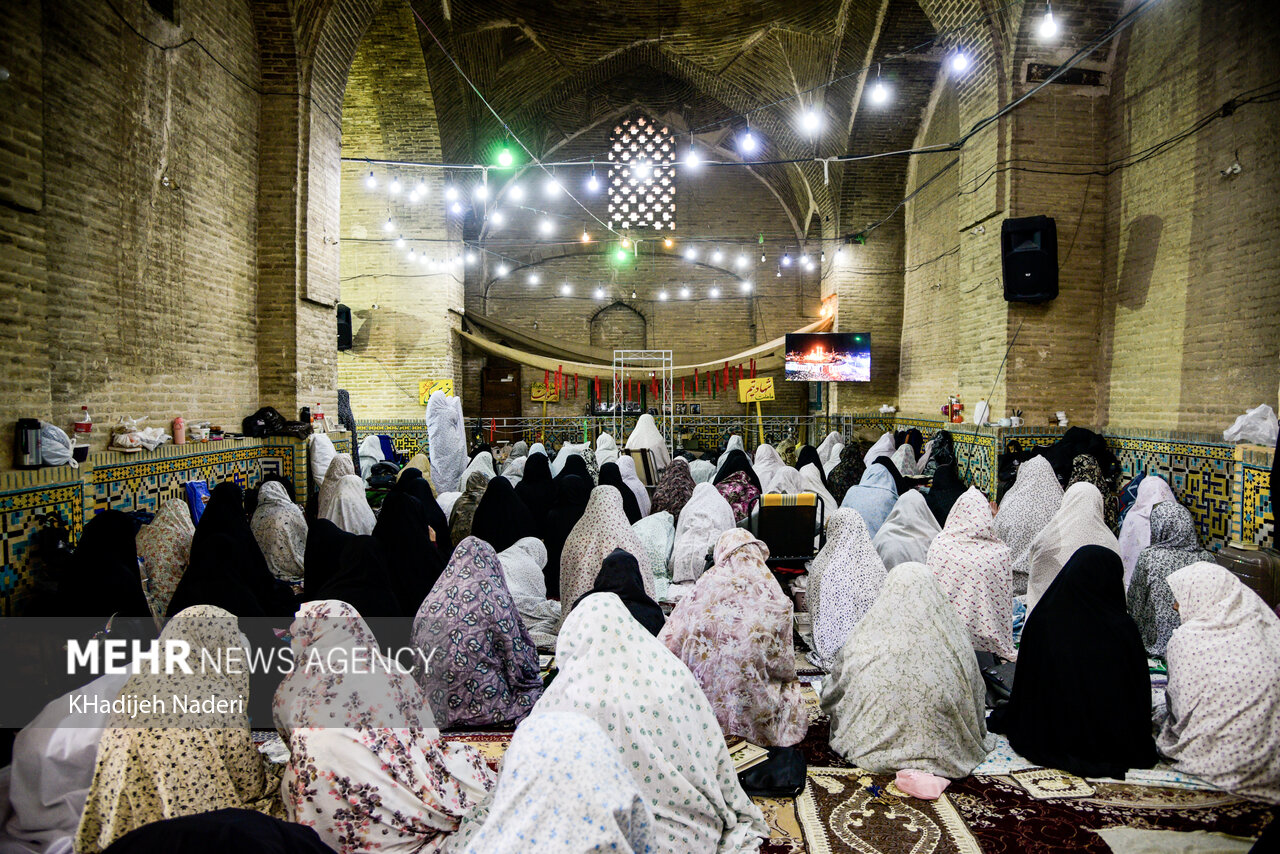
[344,327]
[1029,258]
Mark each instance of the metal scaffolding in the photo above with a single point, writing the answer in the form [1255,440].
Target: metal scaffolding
[644,365]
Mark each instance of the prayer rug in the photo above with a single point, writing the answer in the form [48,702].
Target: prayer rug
[784,830]
[1045,783]
[492,745]
[846,810]
[1006,820]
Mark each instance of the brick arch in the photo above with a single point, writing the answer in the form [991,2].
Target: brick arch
[619,326]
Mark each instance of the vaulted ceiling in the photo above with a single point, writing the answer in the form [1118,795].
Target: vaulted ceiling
[553,70]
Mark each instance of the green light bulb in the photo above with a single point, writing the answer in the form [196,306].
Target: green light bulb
[622,255]
[504,157]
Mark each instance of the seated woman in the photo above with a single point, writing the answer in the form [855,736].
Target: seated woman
[844,581]
[522,567]
[973,568]
[413,563]
[485,667]
[1079,522]
[101,576]
[675,487]
[905,691]
[550,799]
[704,519]
[848,471]
[653,710]
[620,575]
[280,529]
[349,506]
[1173,546]
[874,496]
[1224,684]
[907,532]
[1135,533]
[164,546]
[657,533]
[367,767]
[167,763]
[242,831]
[1081,697]
[501,517]
[602,528]
[734,633]
[611,475]
[463,512]
[1025,510]
[564,508]
[647,436]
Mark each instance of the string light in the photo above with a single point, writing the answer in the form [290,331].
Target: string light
[496,219]
[746,286]
[626,243]
[742,261]
[662,295]
[586,238]
[879,93]
[786,260]
[640,170]
[503,269]
[545,225]
[593,183]
[811,121]
[714,293]
[371,182]
[684,293]
[394,187]
[667,242]
[389,225]
[516,193]
[691,160]
[621,254]
[599,293]
[717,256]
[410,256]
[400,242]
[551,187]
[471,257]
[959,61]
[566,289]
[482,191]
[747,142]
[690,253]
[762,256]
[504,157]
[534,279]
[456,208]
[450,193]
[1048,26]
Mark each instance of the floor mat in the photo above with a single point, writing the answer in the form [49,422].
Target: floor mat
[1006,820]
[846,810]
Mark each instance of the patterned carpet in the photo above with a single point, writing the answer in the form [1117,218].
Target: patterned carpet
[844,810]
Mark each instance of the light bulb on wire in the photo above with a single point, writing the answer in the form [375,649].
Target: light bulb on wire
[496,219]
[503,269]
[586,237]
[371,182]
[551,187]
[747,142]
[450,193]
[741,261]
[389,226]
[640,170]
[410,255]
[534,279]
[691,160]
[566,289]
[593,183]
[717,256]
[684,293]
[714,293]
[456,208]
[599,293]
[1048,26]
[545,226]
[471,257]
[394,187]
[746,286]
[667,243]
[504,157]
[811,121]
[662,295]
[879,93]
[959,61]
[400,242]
[690,253]
[482,191]
[516,193]
[786,259]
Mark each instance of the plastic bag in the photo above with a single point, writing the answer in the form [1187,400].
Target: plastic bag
[981,412]
[197,497]
[55,446]
[1257,426]
[921,784]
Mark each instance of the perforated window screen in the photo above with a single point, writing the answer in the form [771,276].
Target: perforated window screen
[642,175]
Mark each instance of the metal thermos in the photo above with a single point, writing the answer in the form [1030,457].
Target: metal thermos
[26,444]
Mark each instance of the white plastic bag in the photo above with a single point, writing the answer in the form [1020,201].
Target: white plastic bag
[981,412]
[1257,426]
[55,446]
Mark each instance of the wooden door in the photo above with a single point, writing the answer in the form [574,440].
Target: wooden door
[500,397]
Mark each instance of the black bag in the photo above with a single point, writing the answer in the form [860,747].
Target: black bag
[780,776]
[267,421]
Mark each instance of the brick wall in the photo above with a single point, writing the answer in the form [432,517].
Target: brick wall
[400,308]
[129,214]
[1192,259]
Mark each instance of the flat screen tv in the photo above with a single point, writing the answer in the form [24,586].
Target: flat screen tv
[826,357]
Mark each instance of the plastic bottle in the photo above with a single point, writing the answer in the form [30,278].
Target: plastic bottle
[179,431]
[84,426]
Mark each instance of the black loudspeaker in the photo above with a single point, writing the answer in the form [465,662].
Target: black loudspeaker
[344,327]
[1029,258]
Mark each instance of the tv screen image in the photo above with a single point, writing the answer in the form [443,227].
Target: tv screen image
[825,357]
